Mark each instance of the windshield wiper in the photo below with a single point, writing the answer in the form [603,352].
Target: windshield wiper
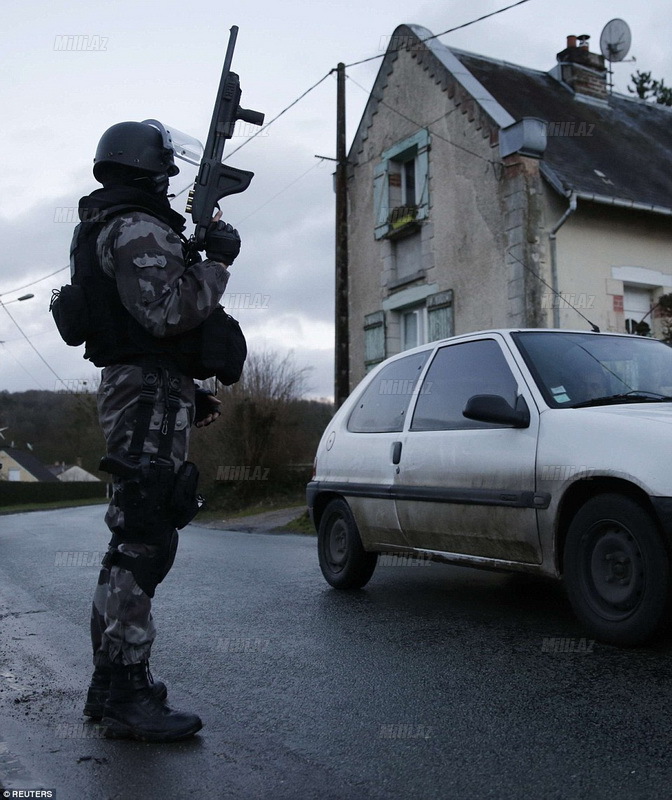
[634,396]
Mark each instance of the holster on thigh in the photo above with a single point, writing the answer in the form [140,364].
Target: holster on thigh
[145,498]
[149,565]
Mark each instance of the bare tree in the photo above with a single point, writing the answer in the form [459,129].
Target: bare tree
[256,432]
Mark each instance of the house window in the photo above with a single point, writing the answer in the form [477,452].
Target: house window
[401,182]
[419,314]
[413,327]
[429,322]
[636,309]
[374,339]
[401,186]
[14,474]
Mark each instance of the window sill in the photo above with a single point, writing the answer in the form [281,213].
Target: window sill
[400,283]
[407,229]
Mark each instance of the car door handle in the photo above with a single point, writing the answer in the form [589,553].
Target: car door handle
[396,452]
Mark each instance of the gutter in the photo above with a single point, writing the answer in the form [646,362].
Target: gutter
[552,237]
[605,199]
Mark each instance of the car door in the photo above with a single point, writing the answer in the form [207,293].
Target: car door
[464,486]
[362,467]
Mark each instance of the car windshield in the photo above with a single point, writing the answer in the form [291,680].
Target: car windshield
[584,369]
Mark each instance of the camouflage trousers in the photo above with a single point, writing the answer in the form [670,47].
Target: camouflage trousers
[122,627]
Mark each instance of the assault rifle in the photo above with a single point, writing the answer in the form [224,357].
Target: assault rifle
[216,180]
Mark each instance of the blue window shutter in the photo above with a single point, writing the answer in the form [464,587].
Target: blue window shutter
[380,199]
[374,338]
[422,177]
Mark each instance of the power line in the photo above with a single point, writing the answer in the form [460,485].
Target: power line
[277,116]
[34,336]
[363,61]
[548,285]
[29,374]
[32,283]
[443,33]
[428,126]
[39,355]
[301,96]
[277,194]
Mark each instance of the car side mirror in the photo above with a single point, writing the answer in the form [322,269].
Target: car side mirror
[494,408]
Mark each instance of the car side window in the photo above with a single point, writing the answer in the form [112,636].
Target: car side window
[458,372]
[384,403]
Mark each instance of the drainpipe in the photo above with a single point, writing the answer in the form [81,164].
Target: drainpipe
[552,236]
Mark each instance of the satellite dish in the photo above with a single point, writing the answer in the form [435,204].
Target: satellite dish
[615,40]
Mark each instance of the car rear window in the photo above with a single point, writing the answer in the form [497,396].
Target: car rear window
[384,403]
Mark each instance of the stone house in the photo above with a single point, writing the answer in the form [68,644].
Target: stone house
[484,194]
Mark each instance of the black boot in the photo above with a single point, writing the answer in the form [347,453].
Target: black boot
[99,689]
[133,711]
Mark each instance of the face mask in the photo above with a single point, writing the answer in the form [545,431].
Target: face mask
[156,184]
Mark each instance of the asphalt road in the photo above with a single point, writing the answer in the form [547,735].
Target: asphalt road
[432,682]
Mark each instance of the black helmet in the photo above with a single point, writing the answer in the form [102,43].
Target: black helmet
[142,145]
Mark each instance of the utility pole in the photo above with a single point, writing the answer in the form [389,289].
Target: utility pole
[342,349]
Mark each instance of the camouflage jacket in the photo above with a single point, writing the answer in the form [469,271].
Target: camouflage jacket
[145,257]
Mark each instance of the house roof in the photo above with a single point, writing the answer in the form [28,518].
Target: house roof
[30,463]
[76,473]
[625,139]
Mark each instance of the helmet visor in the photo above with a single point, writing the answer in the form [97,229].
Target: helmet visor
[184,147]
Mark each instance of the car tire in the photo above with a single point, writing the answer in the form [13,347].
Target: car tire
[617,570]
[343,561]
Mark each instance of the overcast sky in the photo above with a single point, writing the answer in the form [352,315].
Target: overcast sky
[163,60]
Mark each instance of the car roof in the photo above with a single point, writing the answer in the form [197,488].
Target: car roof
[507,332]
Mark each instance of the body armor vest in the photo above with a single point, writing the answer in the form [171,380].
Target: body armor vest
[113,336]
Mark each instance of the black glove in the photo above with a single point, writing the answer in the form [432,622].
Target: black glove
[222,242]
[205,405]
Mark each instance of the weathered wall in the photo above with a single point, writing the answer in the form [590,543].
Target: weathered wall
[479,226]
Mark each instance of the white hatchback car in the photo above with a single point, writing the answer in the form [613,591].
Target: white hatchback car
[541,451]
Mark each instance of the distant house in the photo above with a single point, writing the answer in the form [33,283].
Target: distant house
[71,473]
[21,465]
[485,194]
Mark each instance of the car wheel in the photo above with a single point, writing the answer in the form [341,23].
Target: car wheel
[343,561]
[616,570]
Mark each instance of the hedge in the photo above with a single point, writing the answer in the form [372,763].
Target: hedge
[14,493]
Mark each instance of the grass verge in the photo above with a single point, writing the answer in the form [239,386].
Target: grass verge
[54,504]
[301,524]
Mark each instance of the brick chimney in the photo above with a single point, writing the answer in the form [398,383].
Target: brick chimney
[582,70]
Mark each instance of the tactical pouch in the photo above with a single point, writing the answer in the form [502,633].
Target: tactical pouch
[223,347]
[71,313]
[185,500]
[146,503]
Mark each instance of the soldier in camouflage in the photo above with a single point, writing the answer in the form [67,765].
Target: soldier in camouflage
[145,300]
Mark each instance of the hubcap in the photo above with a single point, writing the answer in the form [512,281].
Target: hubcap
[337,553]
[614,569]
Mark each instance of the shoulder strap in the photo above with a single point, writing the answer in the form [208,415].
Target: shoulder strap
[146,402]
[87,234]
